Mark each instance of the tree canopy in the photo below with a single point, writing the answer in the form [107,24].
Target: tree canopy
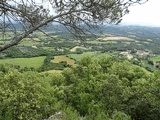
[32,15]
[95,89]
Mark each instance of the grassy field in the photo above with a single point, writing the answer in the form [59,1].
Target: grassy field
[94,55]
[48,48]
[29,42]
[35,62]
[155,59]
[102,42]
[60,58]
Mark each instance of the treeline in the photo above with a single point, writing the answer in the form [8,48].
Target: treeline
[28,52]
[24,52]
[48,65]
[102,89]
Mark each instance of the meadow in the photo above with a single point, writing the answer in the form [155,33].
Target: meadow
[94,55]
[156,59]
[34,62]
[61,58]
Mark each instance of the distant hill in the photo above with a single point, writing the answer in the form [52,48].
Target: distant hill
[125,30]
[138,31]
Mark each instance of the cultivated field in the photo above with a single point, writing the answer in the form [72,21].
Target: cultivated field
[34,62]
[94,55]
[155,59]
[60,58]
[114,38]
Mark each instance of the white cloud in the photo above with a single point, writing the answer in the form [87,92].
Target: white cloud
[145,14]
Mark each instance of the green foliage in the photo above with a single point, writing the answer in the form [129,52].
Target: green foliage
[79,50]
[97,115]
[96,89]
[120,116]
[48,65]
[27,95]
[109,85]
[25,52]
[70,114]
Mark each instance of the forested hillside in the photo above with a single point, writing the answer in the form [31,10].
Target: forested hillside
[106,88]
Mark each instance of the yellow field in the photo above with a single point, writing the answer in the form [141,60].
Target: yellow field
[58,59]
[54,71]
[36,39]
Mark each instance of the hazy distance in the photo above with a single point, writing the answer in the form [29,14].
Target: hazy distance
[146,14]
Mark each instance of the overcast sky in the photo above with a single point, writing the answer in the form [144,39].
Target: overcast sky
[145,14]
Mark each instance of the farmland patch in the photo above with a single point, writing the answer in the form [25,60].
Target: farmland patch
[34,62]
[61,58]
[114,38]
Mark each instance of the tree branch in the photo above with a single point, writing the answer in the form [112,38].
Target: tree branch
[16,40]
[71,13]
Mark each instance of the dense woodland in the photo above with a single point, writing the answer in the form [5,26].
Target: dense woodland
[106,88]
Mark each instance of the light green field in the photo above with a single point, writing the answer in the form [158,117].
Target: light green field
[94,55]
[35,62]
[28,42]
[155,59]
[48,48]
[101,42]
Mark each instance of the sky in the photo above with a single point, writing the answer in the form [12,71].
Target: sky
[147,14]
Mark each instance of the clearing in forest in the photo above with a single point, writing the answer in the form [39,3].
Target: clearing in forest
[60,58]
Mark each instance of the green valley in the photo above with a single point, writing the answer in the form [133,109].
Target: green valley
[113,76]
[79,60]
